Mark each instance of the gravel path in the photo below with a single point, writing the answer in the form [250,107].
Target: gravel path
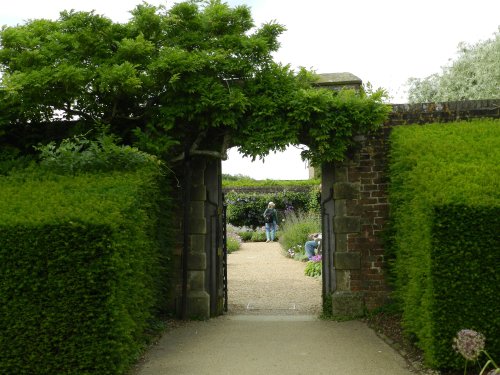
[261,280]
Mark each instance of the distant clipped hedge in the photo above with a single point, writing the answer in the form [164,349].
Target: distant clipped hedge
[445,204]
[83,270]
[246,209]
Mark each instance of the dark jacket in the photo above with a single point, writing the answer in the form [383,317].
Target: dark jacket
[273,213]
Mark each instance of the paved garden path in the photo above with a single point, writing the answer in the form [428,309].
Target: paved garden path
[272,328]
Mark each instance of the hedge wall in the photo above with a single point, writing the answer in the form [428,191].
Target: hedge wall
[465,260]
[83,271]
[246,209]
[444,196]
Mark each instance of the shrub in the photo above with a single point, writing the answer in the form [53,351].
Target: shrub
[79,154]
[463,290]
[233,242]
[246,209]
[313,267]
[83,270]
[296,228]
[246,235]
[240,181]
[233,239]
[11,160]
[258,235]
[445,209]
[314,201]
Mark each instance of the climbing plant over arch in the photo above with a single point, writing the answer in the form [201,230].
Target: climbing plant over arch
[195,78]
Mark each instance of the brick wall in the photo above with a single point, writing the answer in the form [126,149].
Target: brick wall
[361,212]
[361,204]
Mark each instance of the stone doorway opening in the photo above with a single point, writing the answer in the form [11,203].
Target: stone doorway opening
[262,280]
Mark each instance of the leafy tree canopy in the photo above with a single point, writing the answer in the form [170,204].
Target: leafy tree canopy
[475,74]
[196,78]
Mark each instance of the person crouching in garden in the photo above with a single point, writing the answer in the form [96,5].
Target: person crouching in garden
[270,219]
[312,244]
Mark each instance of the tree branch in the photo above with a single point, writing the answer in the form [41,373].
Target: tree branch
[214,154]
[225,146]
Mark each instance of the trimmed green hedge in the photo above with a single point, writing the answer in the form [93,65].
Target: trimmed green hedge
[246,209]
[228,182]
[83,270]
[445,181]
[465,261]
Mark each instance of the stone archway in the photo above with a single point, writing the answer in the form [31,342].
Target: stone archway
[205,261]
[355,209]
[348,285]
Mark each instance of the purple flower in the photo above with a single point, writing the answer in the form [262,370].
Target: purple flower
[316,258]
[469,343]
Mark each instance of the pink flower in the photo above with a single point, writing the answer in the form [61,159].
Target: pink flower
[469,343]
[316,258]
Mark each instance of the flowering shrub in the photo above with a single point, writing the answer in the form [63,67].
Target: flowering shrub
[470,344]
[248,234]
[288,209]
[247,208]
[233,238]
[316,258]
[244,232]
[295,250]
[295,229]
[233,242]
[259,235]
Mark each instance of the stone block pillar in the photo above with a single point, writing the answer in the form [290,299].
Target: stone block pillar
[198,300]
[347,301]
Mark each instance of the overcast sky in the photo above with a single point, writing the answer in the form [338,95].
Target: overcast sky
[383,42]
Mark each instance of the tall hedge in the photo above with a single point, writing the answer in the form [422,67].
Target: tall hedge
[246,209]
[83,270]
[465,253]
[445,202]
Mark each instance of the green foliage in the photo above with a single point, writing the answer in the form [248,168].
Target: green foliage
[445,199]
[246,235]
[197,76]
[464,253]
[233,239]
[313,269]
[296,229]
[314,202]
[338,116]
[12,160]
[258,235]
[233,243]
[474,74]
[80,154]
[83,270]
[246,209]
[241,182]
[228,178]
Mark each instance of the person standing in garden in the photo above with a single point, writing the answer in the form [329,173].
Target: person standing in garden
[270,219]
